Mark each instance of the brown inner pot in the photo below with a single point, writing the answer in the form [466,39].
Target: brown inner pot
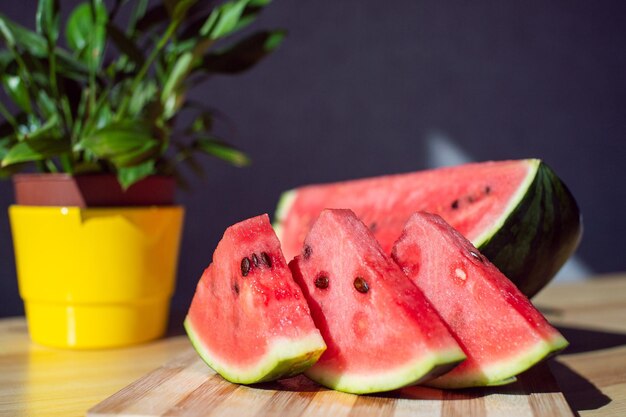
[94,190]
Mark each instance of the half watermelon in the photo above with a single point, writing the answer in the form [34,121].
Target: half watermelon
[380,330]
[518,213]
[248,319]
[500,331]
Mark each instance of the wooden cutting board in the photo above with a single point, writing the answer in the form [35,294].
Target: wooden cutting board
[186,387]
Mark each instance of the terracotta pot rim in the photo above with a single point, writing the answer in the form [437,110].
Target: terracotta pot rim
[91,190]
[65,176]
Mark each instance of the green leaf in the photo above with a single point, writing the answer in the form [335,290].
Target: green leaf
[47,19]
[148,151]
[177,75]
[18,91]
[78,28]
[125,143]
[130,175]
[203,123]
[244,54]
[86,32]
[251,13]
[45,104]
[33,130]
[145,94]
[224,19]
[219,149]
[16,35]
[37,150]
[70,67]
[6,143]
[138,12]
[125,44]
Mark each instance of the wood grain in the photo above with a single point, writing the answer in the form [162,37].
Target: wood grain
[37,381]
[186,387]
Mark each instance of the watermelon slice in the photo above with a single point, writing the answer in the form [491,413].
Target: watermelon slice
[518,213]
[500,331]
[248,319]
[381,332]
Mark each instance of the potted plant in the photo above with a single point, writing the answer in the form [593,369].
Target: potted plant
[95,228]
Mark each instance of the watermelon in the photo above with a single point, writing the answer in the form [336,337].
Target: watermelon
[381,332]
[248,319]
[500,331]
[518,213]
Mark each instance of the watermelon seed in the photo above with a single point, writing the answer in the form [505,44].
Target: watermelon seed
[255,260]
[236,288]
[321,282]
[460,274]
[307,251]
[266,259]
[476,255]
[361,285]
[470,199]
[455,204]
[373,226]
[487,189]
[245,266]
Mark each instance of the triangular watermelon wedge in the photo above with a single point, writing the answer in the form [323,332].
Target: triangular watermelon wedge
[381,332]
[248,319]
[518,213]
[498,328]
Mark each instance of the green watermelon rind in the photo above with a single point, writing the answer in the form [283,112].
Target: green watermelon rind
[408,374]
[285,201]
[284,358]
[538,231]
[514,203]
[504,371]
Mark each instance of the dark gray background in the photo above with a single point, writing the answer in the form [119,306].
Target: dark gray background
[367,87]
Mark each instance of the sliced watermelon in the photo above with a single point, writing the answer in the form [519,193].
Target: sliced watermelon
[500,331]
[381,332]
[248,319]
[518,213]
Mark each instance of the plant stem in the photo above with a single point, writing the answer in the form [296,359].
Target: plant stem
[61,99]
[51,166]
[146,66]
[66,163]
[8,116]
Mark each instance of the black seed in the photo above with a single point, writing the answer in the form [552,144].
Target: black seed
[487,189]
[455,204]
[307,252]
[321,282]
[255,260]
[373,227]
[245,266]
[361,285]
[477,256]
[236,288]
[266,259]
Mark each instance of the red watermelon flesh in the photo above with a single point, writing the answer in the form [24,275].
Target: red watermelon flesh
[518,213]
[500,331]
[381,332]
[248,319]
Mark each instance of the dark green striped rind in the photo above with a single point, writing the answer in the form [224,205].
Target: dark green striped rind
[538,236]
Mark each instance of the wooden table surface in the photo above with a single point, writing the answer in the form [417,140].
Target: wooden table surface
[40,381]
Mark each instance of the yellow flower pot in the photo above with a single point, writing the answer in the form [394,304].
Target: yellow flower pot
[96,277]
